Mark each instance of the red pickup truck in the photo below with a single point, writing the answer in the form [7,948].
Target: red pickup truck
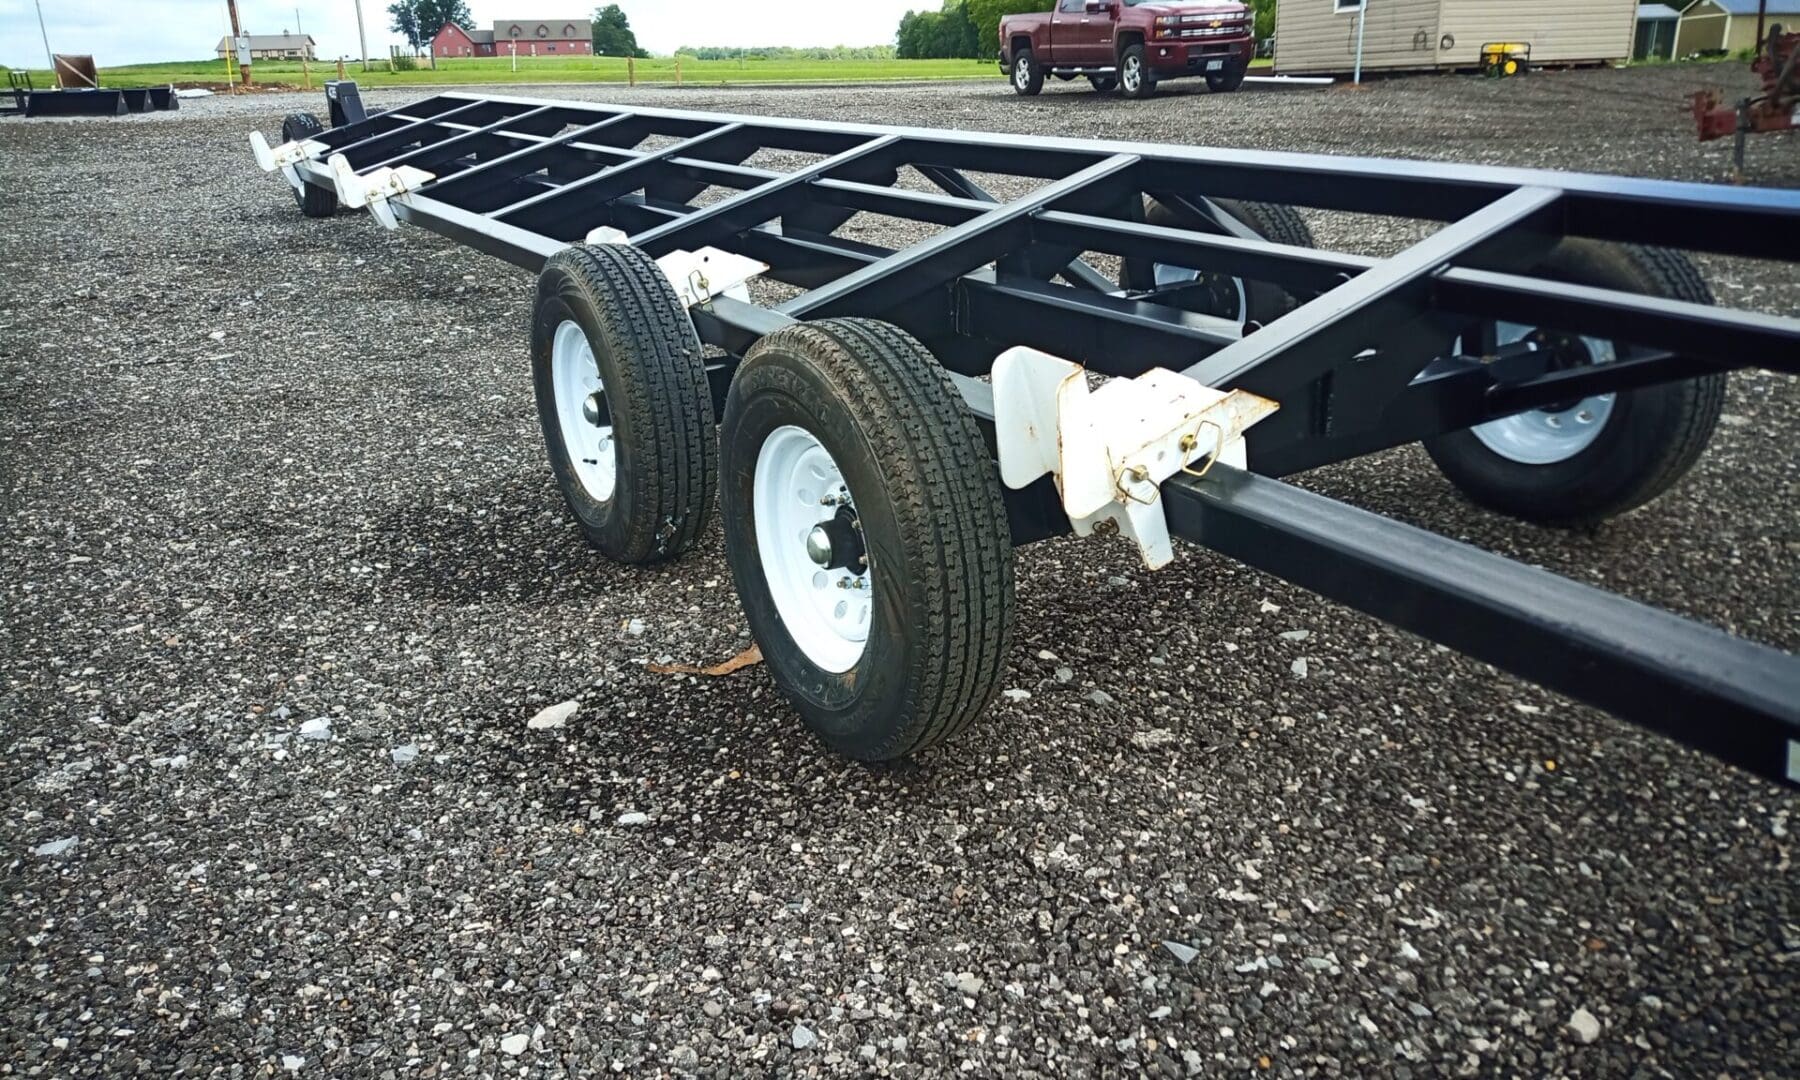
[1130,45]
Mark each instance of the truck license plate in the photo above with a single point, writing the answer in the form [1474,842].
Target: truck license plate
[1215,65]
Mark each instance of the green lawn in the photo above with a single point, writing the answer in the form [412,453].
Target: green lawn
[598,69]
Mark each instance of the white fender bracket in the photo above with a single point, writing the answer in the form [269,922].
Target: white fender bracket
[376,187]
[285,156]
[698,276]
[1111,448]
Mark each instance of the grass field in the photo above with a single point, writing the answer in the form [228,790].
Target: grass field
[598,69]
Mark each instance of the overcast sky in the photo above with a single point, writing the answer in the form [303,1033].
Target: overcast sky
[121,32]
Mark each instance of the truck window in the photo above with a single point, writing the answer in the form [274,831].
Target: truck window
[1072,7]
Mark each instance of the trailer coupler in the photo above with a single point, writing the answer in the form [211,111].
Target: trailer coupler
[1110,449]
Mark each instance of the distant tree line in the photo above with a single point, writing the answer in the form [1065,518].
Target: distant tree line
[787,52]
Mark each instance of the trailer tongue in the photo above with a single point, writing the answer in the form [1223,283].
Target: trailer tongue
[881,441]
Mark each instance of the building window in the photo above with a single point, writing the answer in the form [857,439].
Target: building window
[550,48]
[514,32]
[1346,5]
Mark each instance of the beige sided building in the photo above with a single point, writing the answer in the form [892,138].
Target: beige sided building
[1320,35]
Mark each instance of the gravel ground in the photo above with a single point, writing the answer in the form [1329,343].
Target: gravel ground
[286,577]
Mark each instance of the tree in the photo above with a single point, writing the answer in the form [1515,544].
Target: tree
[613,35]
[418,21]
[1265,18]
[986,15]
[948,32]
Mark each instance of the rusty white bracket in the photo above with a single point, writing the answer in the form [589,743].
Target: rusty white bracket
[374,189]
[285,156]
[698,276]
[1111,448]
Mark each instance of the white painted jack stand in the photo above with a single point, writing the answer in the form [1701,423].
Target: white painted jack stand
[1110,449]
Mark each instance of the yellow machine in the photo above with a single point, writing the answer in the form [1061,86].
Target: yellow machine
[1503,59]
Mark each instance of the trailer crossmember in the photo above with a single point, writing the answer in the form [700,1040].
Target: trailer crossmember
[1532,341]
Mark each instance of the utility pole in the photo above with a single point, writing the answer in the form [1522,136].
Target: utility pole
[237,35]
[361,36]
[1762,14]
[48,55]
[1362,20]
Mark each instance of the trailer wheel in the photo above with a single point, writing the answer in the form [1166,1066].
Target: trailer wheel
[622,398]
[1105,84]
[1027,77]
[1578,463]
[866,535]
[1237,299]
[1135,80]
[315,201]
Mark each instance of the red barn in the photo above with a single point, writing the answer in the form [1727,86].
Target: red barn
[453,40]
[528,37]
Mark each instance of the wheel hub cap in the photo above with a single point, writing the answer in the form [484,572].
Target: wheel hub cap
[810,545]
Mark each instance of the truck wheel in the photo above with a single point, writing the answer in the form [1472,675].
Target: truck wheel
[1135,80]
[1228,80]
[623,401]
[1578,463]
[315,202]
[1027,78]
[866,535]
[1106,84]
[1237,299]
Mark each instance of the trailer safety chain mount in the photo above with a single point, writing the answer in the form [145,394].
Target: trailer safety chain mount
[285,156]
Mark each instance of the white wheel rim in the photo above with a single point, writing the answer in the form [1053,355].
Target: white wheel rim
[1130,75]
[1554,434]
[1022,72]
[575,379]
[826,612]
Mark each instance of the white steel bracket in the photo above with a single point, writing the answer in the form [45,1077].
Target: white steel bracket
[698,276]
[285,156]
[375,188]
[1111,448]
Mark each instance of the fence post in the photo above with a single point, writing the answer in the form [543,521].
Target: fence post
[631,70]
[678,71]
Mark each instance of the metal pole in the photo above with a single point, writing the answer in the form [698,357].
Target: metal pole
[48,55]
[236,36]
[361,36]
[305,67]
[1362,19]
[1762,12]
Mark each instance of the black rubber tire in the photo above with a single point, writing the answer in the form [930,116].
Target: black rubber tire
[1282,224]
[928,499]
[1033,75]
[314,201]
[1146,82]
[653,373]
[1652,437]
[1228,80]
[1105,84]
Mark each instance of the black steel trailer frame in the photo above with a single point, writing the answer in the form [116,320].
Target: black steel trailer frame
[1365,361]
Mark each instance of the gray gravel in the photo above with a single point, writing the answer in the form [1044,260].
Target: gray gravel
[286,582]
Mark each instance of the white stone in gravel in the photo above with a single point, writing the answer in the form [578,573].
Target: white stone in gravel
[803,1037]
[1016,695]
[635,627]
[1046,654]
[1584,1026]
[1298,667]
[1266,989]
[1269,607]
[1100,697]
[968,983]
[1064,674]
[1408,953]
[1150,740]
[634,817]
[404,755]
[318,729]
[290,1062]
[1160,1012]
[515,1044]
[1183,953]
[1295,635]
[553,717]
[56,847]
[1368,1025]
